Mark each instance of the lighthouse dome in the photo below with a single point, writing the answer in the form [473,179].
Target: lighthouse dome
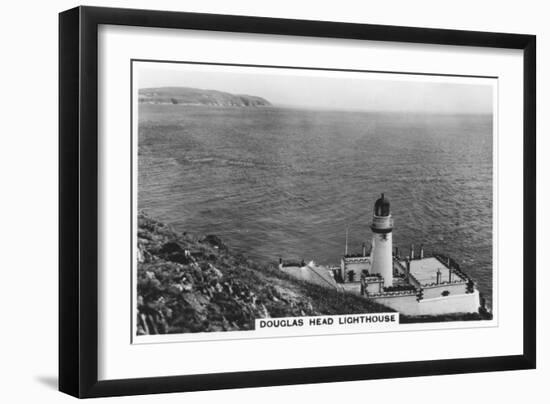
[382,206]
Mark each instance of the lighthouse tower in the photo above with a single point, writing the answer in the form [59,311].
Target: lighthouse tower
[381,255]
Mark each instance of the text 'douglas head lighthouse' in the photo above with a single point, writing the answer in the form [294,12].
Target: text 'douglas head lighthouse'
[382,226]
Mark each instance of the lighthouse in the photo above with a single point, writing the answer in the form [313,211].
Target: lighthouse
[381,255]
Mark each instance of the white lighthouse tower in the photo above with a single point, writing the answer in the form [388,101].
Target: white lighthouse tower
[381,255]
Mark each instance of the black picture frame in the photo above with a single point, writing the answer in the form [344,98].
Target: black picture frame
[78,200]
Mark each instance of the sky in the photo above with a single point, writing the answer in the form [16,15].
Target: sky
[334,90]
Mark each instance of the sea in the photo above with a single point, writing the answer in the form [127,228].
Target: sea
[283,182]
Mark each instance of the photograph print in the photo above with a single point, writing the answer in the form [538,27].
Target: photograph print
[284,201]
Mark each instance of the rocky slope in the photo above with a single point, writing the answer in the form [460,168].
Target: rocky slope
[195,96]
[186,284]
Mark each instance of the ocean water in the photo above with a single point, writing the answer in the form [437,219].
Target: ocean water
[278,182]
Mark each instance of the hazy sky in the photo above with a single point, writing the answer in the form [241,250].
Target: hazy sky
[328,89]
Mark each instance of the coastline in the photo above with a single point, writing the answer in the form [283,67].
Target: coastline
[196,284]
[189,284]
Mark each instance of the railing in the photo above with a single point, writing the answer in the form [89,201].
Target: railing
[434,284]
[382,221]
[399,288]
[357,255]
[453,266]
[400,265]
[393,294]
[411,276]
[348,259]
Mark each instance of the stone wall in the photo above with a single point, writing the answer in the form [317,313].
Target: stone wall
[316,275]
[405,304]
[453,303]
[465,303]
[455,288]
[357,265]
[355,287]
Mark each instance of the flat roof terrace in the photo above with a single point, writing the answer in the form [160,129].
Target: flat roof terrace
[425,270]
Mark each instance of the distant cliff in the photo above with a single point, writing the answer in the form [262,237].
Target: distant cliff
[186,284]
[195,96]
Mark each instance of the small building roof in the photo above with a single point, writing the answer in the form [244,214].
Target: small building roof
[425,270]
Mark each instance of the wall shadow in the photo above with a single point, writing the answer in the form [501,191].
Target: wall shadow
[48,381]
